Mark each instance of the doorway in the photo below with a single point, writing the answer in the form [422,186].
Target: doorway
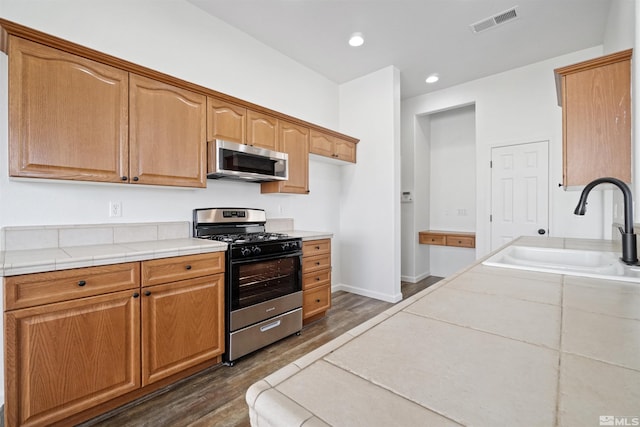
[519,191]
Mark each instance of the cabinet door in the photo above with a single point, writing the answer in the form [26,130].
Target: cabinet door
[66,357]
[321,144]
[262,131]
[345,150]
[226,121]
[68,116]
[597,124]
[168,134]
[293,140]
[182,325]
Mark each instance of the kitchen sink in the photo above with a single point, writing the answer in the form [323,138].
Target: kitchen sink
[572,262]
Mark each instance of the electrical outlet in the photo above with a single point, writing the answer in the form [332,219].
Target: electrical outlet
[115,209]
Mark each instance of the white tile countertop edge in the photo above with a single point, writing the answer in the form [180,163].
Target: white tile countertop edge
[594,374]
[38,249]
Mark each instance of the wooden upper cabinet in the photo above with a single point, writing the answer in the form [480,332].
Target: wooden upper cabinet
[262,131]
[226,121]
[167,134]
[68,116]
[331,146]
[321,144]
[293,140]
[345,150]
[596,118]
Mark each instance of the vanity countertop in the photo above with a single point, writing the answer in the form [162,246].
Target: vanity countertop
[487,346]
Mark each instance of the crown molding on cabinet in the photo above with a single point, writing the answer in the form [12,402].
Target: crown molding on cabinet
[11,28]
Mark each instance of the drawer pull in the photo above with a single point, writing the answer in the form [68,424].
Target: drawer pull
[136,295]
[147,293]
[317,262]
[188,267]
[265,328]
[318,300]
[459,241]
[82,283]
[317,247]
[317,279]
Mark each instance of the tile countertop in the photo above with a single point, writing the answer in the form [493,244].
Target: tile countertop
[51,248]
[488,346]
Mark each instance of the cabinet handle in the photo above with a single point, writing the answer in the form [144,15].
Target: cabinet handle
[318,300]
[459,242]
[317,279]
[135,178]
[317,247]
[82,283]
[147,293]
[188,267]
[136,295]
[317,262]
[124,178]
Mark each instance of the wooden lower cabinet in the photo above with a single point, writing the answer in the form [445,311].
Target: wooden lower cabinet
[70,356]
[182,325]
[316,279]
[66,357]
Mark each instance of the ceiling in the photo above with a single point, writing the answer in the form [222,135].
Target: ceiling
[419,37]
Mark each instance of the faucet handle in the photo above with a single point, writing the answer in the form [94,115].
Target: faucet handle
[621,230]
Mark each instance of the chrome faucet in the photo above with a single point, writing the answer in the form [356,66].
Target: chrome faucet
[629,248]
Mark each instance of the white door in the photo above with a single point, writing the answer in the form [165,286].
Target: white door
[519,192]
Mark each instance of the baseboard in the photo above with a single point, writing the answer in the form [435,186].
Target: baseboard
[415,279]
[367,293]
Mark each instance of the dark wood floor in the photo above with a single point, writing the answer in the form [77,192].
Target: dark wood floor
[216,397]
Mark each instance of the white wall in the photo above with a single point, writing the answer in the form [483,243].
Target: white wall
[453,170]
[452,192]
[370,201]
[513,107]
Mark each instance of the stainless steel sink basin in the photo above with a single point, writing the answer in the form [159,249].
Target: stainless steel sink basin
[572,262]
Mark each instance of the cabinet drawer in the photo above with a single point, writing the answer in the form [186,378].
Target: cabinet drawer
[433,239]
[167,270]
[461,241]
[316,300]
[316,263]
[316,247]
[29,290]
[312,280]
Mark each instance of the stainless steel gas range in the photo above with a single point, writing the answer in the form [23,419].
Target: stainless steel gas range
[263,278]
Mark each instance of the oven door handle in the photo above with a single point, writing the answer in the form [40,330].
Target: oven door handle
[265,258]
[271,325]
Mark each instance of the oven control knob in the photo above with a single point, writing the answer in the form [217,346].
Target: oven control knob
[245,251]
[285,246]
[256,250]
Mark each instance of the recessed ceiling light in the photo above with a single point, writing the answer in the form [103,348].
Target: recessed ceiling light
[356,40]
[432,78]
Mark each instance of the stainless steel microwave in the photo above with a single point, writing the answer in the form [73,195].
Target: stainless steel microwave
[244,162]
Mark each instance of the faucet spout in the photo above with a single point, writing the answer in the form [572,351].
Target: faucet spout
[629,248]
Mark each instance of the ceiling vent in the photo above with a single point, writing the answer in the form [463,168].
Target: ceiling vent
[495,20]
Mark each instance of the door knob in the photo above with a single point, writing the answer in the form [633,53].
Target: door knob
[541,231]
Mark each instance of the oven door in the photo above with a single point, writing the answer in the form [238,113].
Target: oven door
[260,288]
